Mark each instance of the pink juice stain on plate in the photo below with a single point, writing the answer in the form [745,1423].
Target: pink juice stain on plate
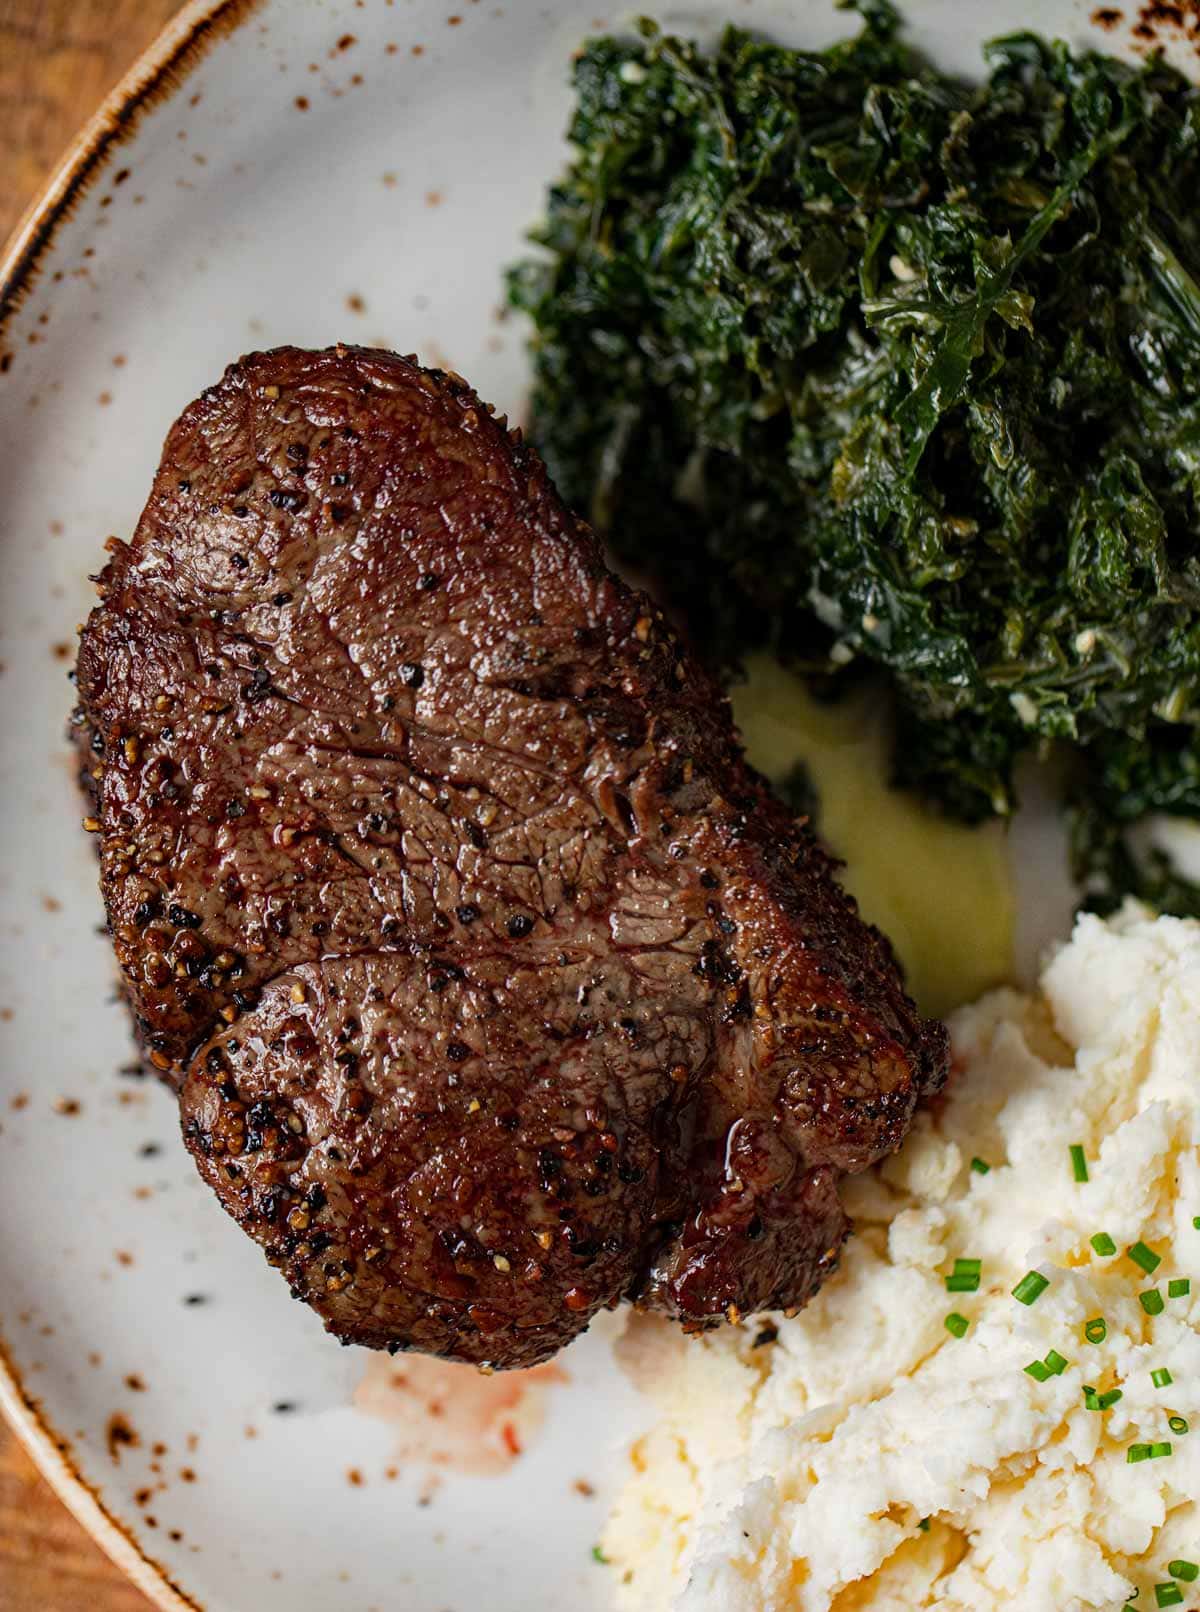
[453,1417]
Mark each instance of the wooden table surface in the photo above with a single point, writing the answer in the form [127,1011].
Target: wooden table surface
[58,59]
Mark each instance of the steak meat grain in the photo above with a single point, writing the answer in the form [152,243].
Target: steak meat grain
[495,985]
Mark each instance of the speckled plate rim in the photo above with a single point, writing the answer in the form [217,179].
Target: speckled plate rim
[157,74]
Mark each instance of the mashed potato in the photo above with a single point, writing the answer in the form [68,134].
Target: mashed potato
[870,1458]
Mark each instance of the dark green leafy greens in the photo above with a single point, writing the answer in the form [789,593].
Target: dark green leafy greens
[878,369]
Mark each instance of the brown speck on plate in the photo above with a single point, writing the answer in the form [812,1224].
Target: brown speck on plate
[120,1434]
[355,1477]
[68,1107]
[135,1384]
[123,1257]
[355,303]
[301,103]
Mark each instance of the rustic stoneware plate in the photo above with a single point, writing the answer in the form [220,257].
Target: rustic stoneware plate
[293,171]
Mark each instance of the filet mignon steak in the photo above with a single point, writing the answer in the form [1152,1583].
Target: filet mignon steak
[495,985]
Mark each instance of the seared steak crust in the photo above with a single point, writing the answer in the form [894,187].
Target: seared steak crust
[495,985]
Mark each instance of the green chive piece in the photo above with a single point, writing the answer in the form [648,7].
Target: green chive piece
[599,1556]
[1182,1568]
[1079,1167]
[1031,1287]
[1141,1254]
[1161,1378]
[1038,1370]
[1103,1244]
[980,1166]
[1177,1424]
[1100,1402]
[923,1525]
[1196,1222]
[1168,1595]
[1055,1364]
[1163,1447]
[1136,1453]
[1096,1330]
[1151,1301]
[957,1324]
[967,1267]
[962,1284]
[1179,1287]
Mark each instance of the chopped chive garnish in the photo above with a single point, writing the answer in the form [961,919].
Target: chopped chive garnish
[980,1166]
[1103,1244]
[1151,1301]
[1182,1568]
[1038,1370]
[1055,1364]
[1177,1424]
[1161,1378]
[1100,1402]
[1168,1595]
[923,1525]
[599,1556]
[1196,1222]
[1096,1330]
[1147,1452]
[1144,1256]
[964,1278]
[1031,1287]
[957,1324]
[1079,1167]
[1179,1287]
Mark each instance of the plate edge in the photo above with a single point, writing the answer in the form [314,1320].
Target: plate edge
[158,72]
[51,1454]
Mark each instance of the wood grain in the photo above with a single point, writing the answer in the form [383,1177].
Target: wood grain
[58,59]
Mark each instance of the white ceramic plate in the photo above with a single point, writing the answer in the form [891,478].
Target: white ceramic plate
[294,171]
